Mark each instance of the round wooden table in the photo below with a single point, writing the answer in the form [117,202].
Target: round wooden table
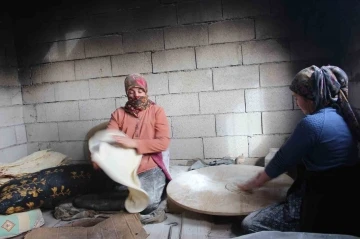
[212,190]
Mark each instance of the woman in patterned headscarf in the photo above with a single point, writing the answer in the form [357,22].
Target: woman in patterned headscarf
[147,128]
[324,146]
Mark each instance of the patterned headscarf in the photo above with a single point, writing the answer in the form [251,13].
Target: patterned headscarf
[136,104]
[327,86]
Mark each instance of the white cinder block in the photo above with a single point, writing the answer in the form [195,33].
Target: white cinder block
[281,122]
[20,132]
[53,72]
[29,114]
[9,76]
[183,36]
[7,137]
[170,126]
[60,111]
[92,68]
[245,8]
[10,96]
[191,81]
[66,50]
[120,102]
[182,104]
[238,77]
[303,50]
[76,90]
[107,87]
[218,55]
[171,60]
[265,100]
[147,40]
[152,17]
[191,12]
[131,63]
[42,132]
[273,27]
[76,130]
[104,46]
[279,74]
[158,84]
[32,148]
[11,116]
[238,124]
[96,109]
[354,95]
[231,31]
[222,102]
[265,51]
[75,150]
[260,145]
[11,154]
[186,149]
[38,93]
[231,146]
[193,126]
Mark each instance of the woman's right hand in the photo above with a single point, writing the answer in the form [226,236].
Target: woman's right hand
[95,166]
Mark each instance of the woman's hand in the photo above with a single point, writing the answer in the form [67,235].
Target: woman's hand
[258,181]
[126,142]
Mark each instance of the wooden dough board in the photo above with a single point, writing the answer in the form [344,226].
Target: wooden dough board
[212,190]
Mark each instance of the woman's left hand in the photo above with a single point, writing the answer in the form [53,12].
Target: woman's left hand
[126,142]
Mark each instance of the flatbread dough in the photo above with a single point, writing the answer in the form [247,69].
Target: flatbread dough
[120,165]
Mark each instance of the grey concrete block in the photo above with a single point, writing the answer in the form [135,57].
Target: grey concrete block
[279,74]
[20,132]
[158,16]
[183,36]
[186,149]
[186,104]
[218,55]
[59,111]
[231,31]
[75,149]
[131,63]
[53,72]
[7,137]
[191,12]
[120,102]
[158,84]
[273,27]
[171,60]
[219,102]
[264,100]
[92,68]
[304,50]
[104,46]
[147,40]
[238,124]
[29,113]
[190,81]
[66,50]
[245,8]
[32,148]
[38,93]
[10,96]
[230,146]
[96,109]
[42,132]
[9,76]
[193,126]
[75,130]
[265,51]
[238,77]
[107,87]
[76,90]
[281,122]
[11,116]
[11,154]
[259,145]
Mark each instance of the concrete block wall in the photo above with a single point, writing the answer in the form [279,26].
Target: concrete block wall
[220,69]
[12,129]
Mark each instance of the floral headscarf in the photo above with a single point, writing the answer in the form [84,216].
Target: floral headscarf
[327,86]
[134,105]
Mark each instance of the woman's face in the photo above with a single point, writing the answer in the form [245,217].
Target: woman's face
[306,105]
[135,93]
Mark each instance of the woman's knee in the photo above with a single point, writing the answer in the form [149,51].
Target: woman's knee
[247,224]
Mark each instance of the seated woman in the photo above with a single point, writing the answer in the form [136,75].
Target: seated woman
[324,146]
[147,128]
